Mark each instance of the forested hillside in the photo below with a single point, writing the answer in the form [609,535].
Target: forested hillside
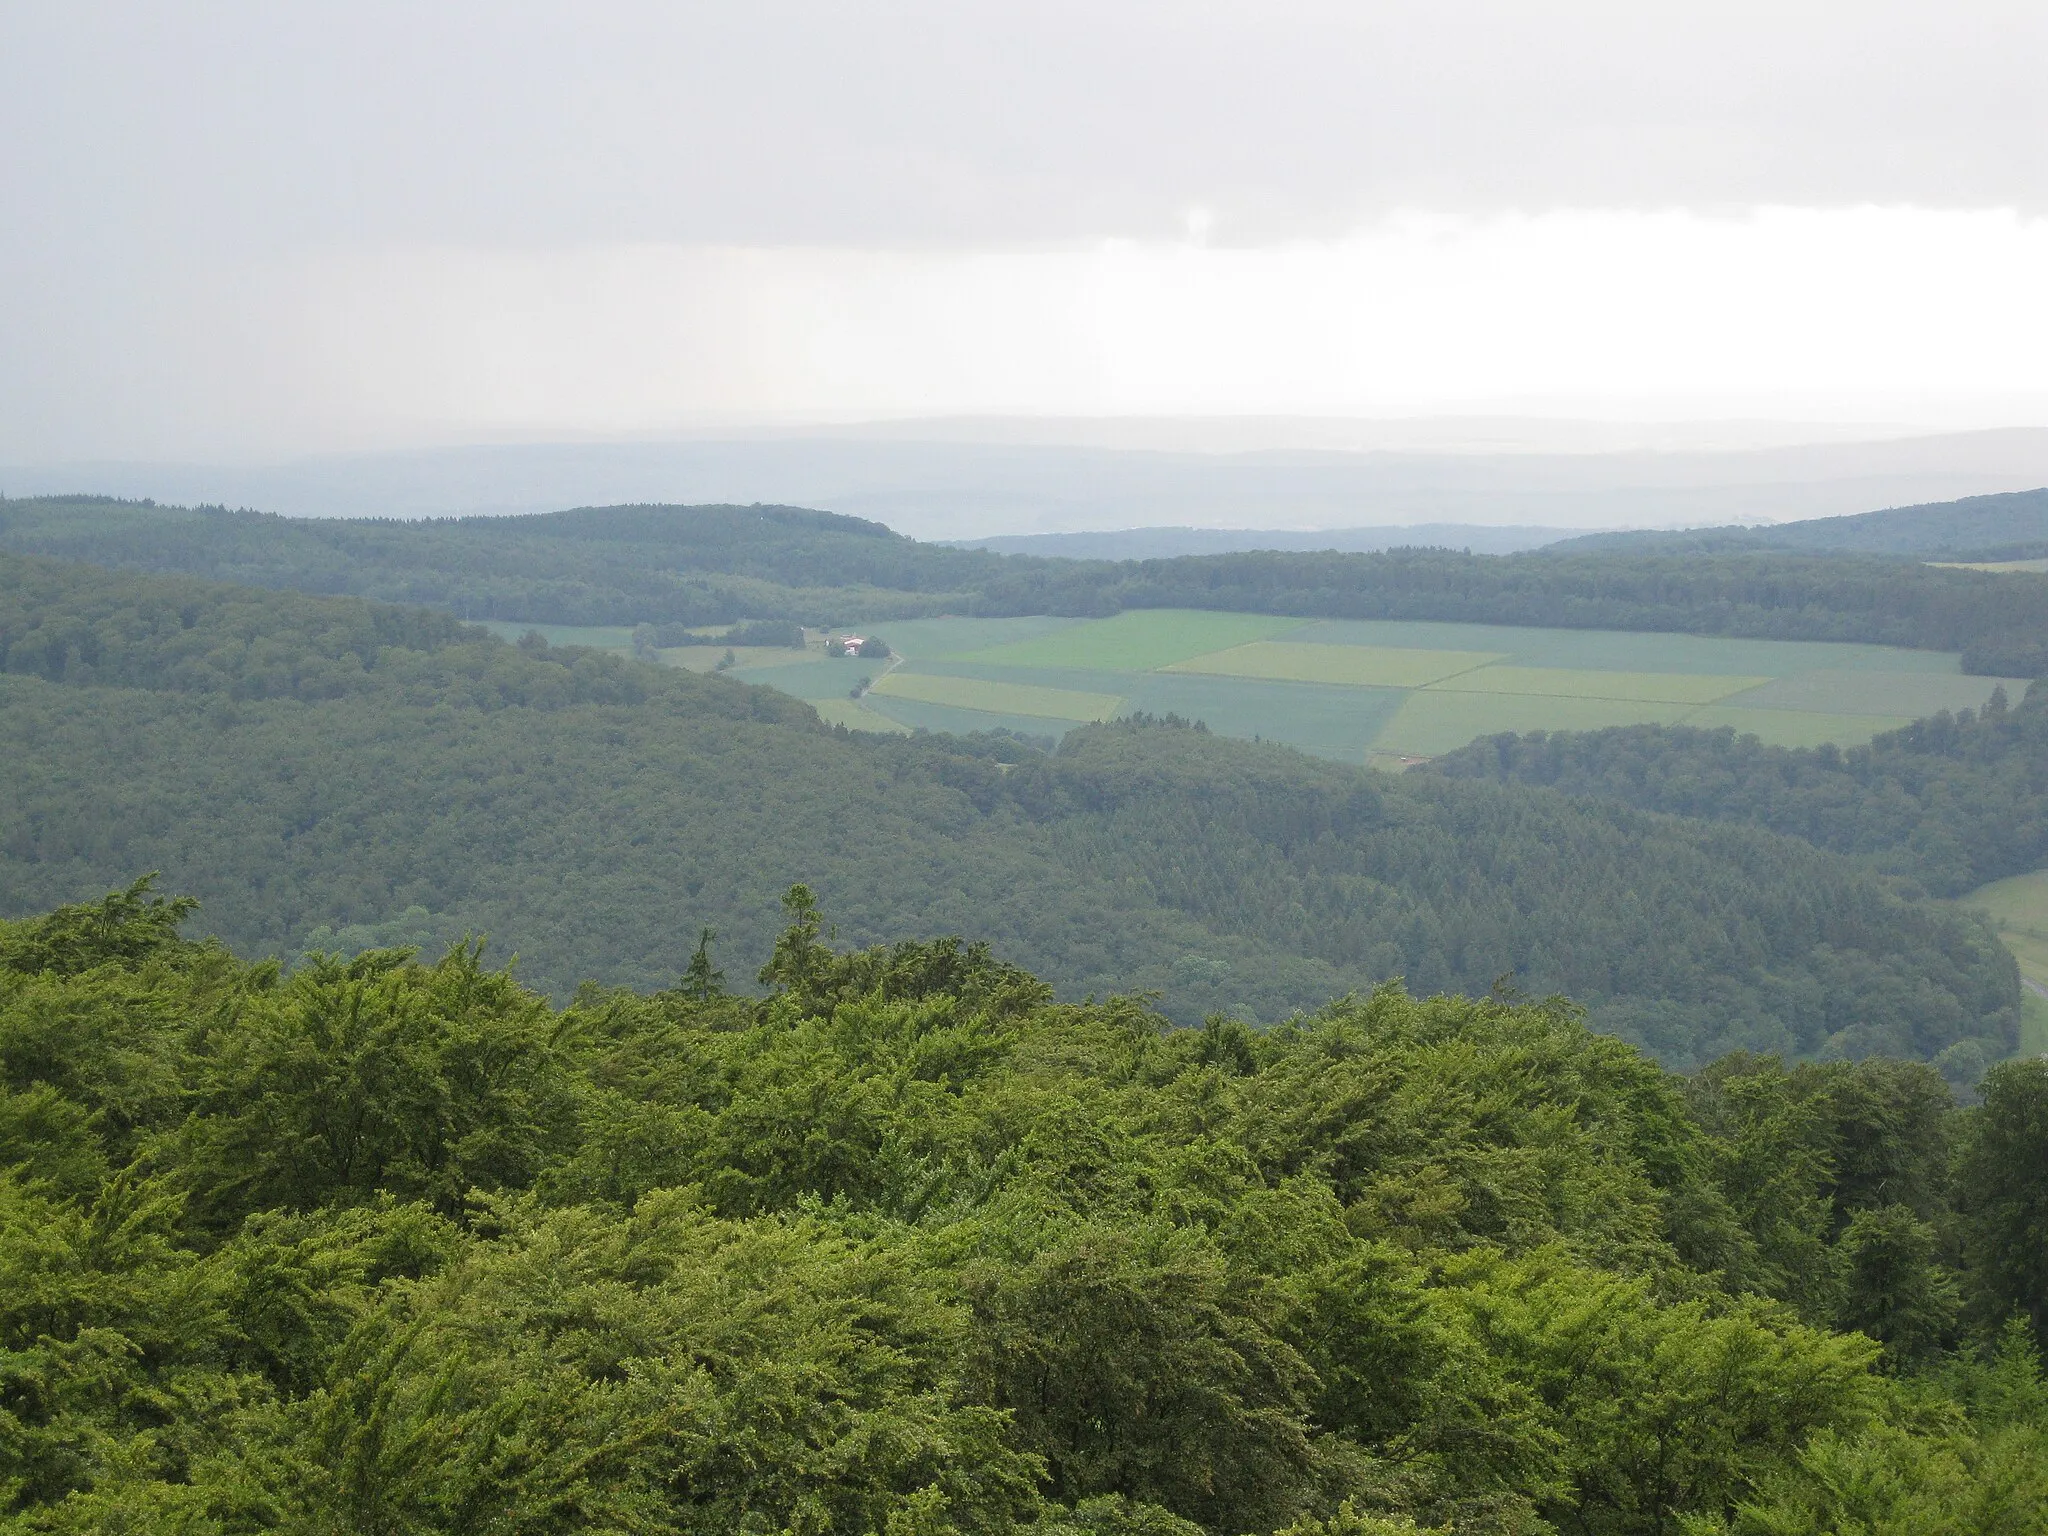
[1952,801]
[611,565]
[702,565]
[327,773]
[907,1248]
[2011,526]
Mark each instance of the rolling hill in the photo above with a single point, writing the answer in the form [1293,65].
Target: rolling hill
[2009,526]
[331,773]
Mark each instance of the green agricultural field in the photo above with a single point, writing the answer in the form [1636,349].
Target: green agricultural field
[1139,640]
[2019,907]
[1858,692]
[1433,721]
[1382,690]
[1593,683]
[1627,650]
[935,639]
[999,698]
[1291,661]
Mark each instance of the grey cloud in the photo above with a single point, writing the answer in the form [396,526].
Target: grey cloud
[252,125]
[156,159]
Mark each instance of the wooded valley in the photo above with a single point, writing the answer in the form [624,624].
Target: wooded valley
[326,772]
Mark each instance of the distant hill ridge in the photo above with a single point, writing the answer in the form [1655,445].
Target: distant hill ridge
[2009,526]
[720,564]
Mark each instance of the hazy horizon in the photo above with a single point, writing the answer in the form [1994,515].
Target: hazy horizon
[996,478]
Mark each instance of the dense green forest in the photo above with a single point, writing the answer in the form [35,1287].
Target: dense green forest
[717,565]
[325,772]
[906,1247]
[2012,525]
[1951,801]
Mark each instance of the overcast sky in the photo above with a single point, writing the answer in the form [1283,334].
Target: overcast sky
[244,229]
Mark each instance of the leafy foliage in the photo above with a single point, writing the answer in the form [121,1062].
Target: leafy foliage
[907,1246]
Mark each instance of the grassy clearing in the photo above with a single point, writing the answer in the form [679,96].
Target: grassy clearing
[2019,903]
[1590,683]
[1369,666]
[1140,640]
[2033,1024]
[2018,907]
[1828,691]
[856,718]
[1432,721]
[999,698]
[1792,728]
[1991,565]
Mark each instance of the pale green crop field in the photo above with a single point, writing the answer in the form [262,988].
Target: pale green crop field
[933,639]
[1433,721]
[1002,698]
[1367,666]
[1139,640]
[1795,727]
[1385,691]
[1589,683]
[1907,694]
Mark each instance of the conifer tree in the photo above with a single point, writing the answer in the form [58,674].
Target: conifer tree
[702,980]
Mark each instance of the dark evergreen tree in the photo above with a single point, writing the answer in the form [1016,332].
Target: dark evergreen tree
[702,980]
